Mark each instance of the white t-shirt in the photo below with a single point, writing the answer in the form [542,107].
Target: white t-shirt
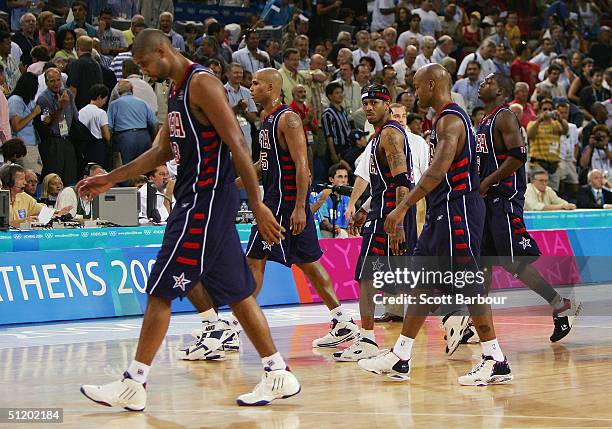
[568,142]
[163,212]
[430,22]
[358,54]
[486,66]
[94,119]
[404,38]
[380,21]
[401,68]
[543,60]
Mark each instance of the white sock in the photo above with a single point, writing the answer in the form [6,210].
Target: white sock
[234,322]
[492,348]
[403,347]
[557,303]
[138,371]
[274,362]
[339,314]
[368,334]
[209,315]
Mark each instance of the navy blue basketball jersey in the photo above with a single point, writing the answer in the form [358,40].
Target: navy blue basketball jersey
[462,176]
[277,166]
[383,189]
[489,159]
[203,160]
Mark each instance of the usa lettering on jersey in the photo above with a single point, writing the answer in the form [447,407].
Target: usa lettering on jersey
[175,123]
[373,164]
[481,143]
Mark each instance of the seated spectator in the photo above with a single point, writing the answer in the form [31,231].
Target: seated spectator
[46,36]
[550,84]
[334,224]
[415,124]
[52,185]
[471,35]
[112,41]
[582,79]
[468,86]
[13,151]
[31,183]
[363,50]
[546,54]
[40,56]
[96,121]
[540,197]
[251,57]
[597,155]
[395,51]
[445,47]
[136,26]
[160,179]
[594,195]
[69,202]
[132,122]
[600,116]
[427,48]
[138,181]
[66,41]
[412,34]
[595,93]
[166,19]
[484,56]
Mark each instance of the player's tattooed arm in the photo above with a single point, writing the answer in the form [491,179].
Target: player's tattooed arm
[392,143]
[293,121]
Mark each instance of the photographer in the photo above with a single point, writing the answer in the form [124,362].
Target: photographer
[544,141]
[598,153]
[335,224]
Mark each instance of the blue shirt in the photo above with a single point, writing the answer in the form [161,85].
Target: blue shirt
[128,113]
[320,214]
[18,108]
[469,92]
[90,29]
[340,220]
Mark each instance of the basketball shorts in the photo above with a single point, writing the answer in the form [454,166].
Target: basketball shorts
[201,244]
[294,249]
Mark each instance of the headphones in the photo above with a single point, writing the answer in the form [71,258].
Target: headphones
[90,166]
[8,173]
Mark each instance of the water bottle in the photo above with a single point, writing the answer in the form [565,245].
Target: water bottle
[45,115]
[244,208]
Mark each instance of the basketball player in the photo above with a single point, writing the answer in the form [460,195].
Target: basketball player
[201,244]
[453,229]
[502,156]
[391,178]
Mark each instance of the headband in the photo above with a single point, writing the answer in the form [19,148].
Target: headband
[376,95]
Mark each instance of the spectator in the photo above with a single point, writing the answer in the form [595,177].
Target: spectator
[543,59]
[117,65]
[251,57]
[582,80]
[402,19]
[132,122]
[383,14]
[160,179]
[601,50]
[551,84]
[40,57]
[13,151]
[112,41]
[395,50]
[84,72]
[471,35]
[570,147]
[324,12]
[273,51]
[31,182]
[22,111]
[136,26]
[108,76]
[301,43]
[430,22]
[389,79]
[382,49]
[336,128]
[427,49]
[79,12]
[26,37]
[51,187]
[600,115]
[513,32]
[140,89]
[414,32]
[165,24]
[415,124]
[57,7]
[8,62]
[22,207]
[597,155]
[476,116]
[350,88]
[77,206]
[468,87]
[501,60]
[407,63]
[66,40]
[96,121]
[241,101]
[59,111]
[522,70]
[594,195]
[217,32]
[42,85]
[151,9]
[5,125]
[17,9]
[317,80]
[544,140]
[363,50]
[445,47]
[448,23]
[334,224]
[217,68]
[46,36]
[290,74]
[595,92]
[540,197]
[362,75]
[483,57]
[521,97]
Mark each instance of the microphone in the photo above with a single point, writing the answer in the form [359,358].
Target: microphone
[340,190]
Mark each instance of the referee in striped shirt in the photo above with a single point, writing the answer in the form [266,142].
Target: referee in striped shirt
[336,127]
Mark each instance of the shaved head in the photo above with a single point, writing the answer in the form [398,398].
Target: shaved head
[432,83]
[148,40]
[267,85]
[270,76]
[435,72]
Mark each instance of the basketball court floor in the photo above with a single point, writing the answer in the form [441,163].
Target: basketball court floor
[566,384]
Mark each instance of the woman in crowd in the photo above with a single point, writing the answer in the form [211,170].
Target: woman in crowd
[40,55]
[581,81]
[66,40]
[402,20]
[471,35]
[51,187]
[22,111]
[191,33]
[46,35]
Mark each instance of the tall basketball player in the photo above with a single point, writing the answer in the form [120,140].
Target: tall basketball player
[453,229]
[201,245]
[502,156]
[391,178]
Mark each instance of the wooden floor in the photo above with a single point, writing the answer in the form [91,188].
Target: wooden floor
[556,385]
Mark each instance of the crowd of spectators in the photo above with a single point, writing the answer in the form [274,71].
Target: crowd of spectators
[71,94]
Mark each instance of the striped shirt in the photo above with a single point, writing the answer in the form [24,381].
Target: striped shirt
[118,62]
[336,126]
[547,143]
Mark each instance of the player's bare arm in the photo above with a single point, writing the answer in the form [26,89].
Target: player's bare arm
[450,131]
[291,130]
[257,167]
[507,133]
[159,153]
[221,117]
[392,144]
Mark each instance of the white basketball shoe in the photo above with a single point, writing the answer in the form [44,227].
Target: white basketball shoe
[126,393]
[454,327]
[211,341]
[389,364]
[362,348]
[487,371]
[340,332]
[277,384]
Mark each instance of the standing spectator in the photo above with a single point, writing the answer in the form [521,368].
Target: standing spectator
[595,92]
[251,57]
[570,146]
[363,50]
[601,50]
[66,41]
[132,122]
[468,86]
[136,26]
[166,19]
[543,59]
[407,63]
[483,56]
[523,70]
[521,97]
[445,47]
[5,125]
[512,29]
[395,51]
[77,206]
[17,9]
[22,109]
[240,101]
[501,60]
[309,119]
[540,197]
[301,43]
[79,12]
[383,14]
[350,88]
[46,35]
[217,32]
[597,155]
[8,62]
[96,121]
[414,32]
[551,84]
[84,72]
[336,128]
[26,37]
[402,19]
[545,141]
[273,51]
[594,195]
[151,9]
[448,23]
[140,88]
[58,113]
[430,22]
[471,35]
[382,49]
[112,41]
[427,49]
[582,80]
[317,80]
[600,115]
[40,56]
[290,74]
